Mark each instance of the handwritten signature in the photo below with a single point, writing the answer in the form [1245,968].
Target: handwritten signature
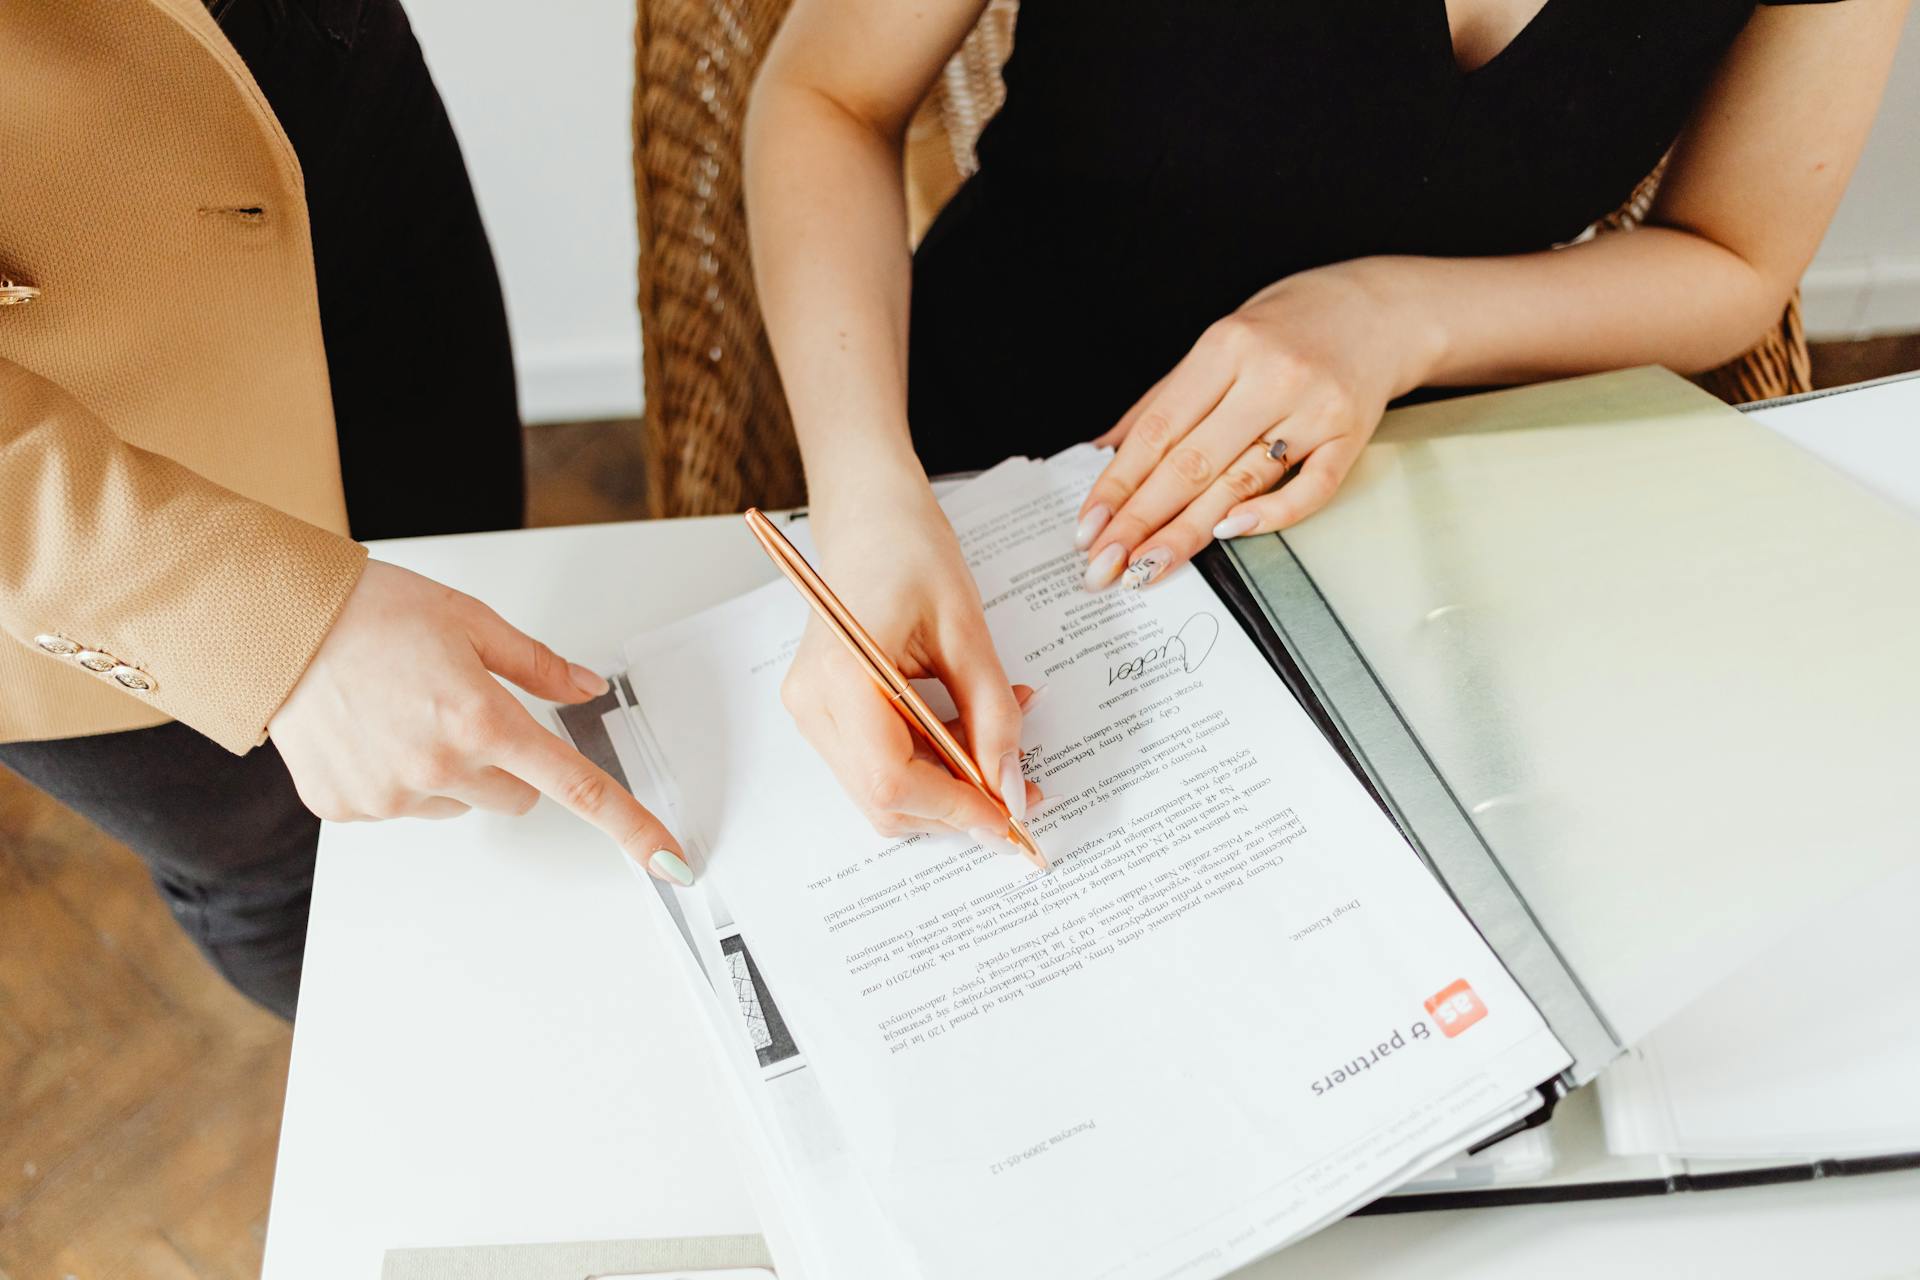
[1191,644]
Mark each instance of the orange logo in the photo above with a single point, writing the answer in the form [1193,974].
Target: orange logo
[1456,1008]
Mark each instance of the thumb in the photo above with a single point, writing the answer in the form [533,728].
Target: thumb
[984,696]
[507,651]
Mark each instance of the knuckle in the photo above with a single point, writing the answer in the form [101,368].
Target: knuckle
[1243,484]
[1319,487]
[793,693]
[392,801]
[479,722]
[584,790]
[438,767]
[326,806]
[1231,332]
[972,810]
[545,663]
[885,790]
[1191,465]
[1154,429]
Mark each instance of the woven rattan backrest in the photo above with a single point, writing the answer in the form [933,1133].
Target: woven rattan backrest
[717,434]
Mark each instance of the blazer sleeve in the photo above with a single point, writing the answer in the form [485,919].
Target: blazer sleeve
[218,601]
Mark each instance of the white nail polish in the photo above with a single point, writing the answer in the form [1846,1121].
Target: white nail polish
[1090,526]
[1103,568]
[1147,568]
[668,864]
[1234,526]
[1013,786]
[1026,708]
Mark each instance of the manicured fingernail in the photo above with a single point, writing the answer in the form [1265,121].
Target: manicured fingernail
[1013,786]
[1090,526]
[1105,566]
[1234,526]
[1032,696]
[668,865]
[588,682]
[1149,566]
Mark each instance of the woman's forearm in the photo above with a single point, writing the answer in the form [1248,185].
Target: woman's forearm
[827,216]
[1749,189]
[1652,296]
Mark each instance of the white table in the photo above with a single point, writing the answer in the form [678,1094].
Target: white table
[484,1055]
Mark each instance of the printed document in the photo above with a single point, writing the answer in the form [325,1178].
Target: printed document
[1237,1007]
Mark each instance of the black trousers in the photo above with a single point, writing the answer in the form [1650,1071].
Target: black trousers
[430,442]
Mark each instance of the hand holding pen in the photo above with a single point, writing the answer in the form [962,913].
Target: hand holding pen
[913,788]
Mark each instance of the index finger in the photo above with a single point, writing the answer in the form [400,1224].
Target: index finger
[539,758]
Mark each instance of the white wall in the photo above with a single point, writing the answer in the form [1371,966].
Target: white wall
[541,96]
[1866,277]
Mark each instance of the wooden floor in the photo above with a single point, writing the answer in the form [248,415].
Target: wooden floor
[139,1097]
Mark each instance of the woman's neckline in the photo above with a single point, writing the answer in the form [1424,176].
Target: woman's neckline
[1518,40]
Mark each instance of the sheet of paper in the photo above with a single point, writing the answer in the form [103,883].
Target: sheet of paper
[1810,1052]
[818,1216]
[1238,1005]
[1872,434]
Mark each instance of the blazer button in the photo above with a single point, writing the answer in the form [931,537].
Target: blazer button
[58,646]
[134,678]
[13,295]
[94,660]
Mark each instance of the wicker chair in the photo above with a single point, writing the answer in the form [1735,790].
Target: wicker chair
[717,436]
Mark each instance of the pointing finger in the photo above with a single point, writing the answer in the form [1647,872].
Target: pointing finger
[542,760]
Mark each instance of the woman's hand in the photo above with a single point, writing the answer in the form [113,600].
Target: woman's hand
[399,715]
[1293,382]
[893,561]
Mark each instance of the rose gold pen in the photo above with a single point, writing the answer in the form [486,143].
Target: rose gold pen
[906,700]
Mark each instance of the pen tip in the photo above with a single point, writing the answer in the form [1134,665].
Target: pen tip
[1025,842]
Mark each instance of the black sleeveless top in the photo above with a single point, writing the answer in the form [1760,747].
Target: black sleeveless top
[1159,161]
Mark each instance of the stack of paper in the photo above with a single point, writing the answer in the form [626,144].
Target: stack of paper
[1811,1053]
[1237,1007]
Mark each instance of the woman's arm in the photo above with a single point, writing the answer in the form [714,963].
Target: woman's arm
[827,213]
[1313,360]
[1752,184]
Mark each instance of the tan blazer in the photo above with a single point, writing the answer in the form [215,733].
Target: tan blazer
[172,529]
